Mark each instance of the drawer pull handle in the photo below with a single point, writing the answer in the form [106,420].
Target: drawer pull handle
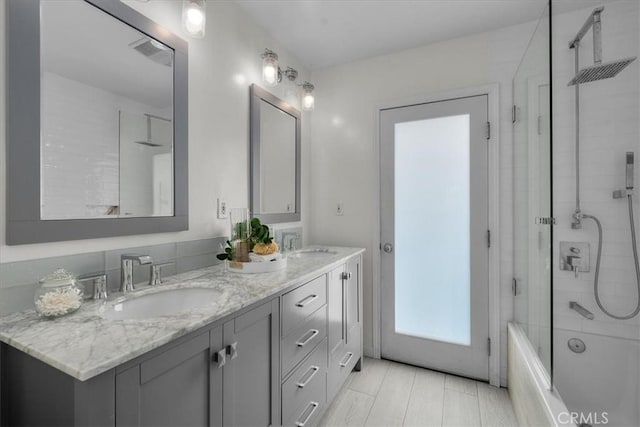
[314,370]
[314,332]
[344,364]
[313,406]
[306,301]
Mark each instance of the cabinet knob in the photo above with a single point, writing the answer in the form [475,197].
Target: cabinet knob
[220,358]
[346,275]
[232,350]
[388,248]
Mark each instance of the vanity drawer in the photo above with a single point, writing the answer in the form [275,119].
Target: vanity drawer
[299,303]
[297,345]
[342,361]
[308,383]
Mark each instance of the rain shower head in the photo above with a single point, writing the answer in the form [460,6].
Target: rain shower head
[601,71]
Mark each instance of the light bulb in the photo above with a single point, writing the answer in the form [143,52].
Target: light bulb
[269,74]
[308,100]
[270,69]
[194,17]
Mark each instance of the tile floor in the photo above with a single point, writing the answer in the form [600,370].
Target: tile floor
[388,394]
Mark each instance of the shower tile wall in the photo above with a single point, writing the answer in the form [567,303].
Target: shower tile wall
[609,111]
[67,101]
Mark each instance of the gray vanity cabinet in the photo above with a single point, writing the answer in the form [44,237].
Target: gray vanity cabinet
[250,393]
[279,362]
[172,388]
[221,377]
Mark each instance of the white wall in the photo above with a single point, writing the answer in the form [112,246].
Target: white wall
[221,68]
[344,134]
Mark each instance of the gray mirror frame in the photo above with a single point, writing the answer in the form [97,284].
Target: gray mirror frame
[23,224]
[259,94]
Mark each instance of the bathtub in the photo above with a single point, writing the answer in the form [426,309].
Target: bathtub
[529,388]
[603,379]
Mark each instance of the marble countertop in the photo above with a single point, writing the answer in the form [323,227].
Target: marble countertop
[85,344]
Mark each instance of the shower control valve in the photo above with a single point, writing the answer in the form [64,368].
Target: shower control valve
[574,257]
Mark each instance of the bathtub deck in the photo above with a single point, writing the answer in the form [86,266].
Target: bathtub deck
[393,394]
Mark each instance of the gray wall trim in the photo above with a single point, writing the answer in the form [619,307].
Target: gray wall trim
[23,134]
[257,93]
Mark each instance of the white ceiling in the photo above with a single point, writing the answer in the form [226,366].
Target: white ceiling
[323,33]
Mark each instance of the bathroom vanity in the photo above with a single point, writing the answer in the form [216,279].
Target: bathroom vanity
[272,349]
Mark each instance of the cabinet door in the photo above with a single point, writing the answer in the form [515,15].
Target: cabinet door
[250,375]
[336,331]
[352,298]
[170,389]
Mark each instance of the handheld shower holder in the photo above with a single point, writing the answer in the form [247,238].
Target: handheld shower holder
[621,194]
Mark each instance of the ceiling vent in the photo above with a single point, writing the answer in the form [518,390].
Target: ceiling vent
[154,50]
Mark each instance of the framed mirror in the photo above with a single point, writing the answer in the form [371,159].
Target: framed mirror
[275,158]
[97,122]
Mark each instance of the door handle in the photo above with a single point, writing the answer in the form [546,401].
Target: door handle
[388,248]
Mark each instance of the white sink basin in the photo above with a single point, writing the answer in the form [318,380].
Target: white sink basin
[313,252]
[161,303]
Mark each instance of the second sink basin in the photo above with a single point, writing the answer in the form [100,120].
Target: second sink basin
[161,303]
[312,252]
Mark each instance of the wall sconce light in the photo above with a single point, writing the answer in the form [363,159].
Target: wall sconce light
[194,17]
[308,100]
[272,75]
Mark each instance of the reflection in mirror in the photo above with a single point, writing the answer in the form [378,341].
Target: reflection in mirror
[275,158]
[106,116]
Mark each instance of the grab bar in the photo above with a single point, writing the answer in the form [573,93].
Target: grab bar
[581,310]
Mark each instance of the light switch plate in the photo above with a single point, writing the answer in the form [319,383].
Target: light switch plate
[223,211]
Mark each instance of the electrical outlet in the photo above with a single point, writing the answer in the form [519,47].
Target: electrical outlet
[340,209]
[223,211]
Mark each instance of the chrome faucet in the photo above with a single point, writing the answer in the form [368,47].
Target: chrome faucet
[127,269]
[293,238]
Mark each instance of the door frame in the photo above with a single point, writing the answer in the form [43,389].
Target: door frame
[493,186]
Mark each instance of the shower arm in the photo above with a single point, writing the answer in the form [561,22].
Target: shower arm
[592,21]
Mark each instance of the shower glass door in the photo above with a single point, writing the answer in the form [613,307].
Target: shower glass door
[532,193]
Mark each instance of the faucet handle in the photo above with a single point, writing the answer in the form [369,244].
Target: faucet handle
[142,259]
[99,282]
[156,273]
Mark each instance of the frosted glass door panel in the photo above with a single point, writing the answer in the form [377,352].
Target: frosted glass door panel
[432,273]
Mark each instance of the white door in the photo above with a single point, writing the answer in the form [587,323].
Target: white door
[434,216]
